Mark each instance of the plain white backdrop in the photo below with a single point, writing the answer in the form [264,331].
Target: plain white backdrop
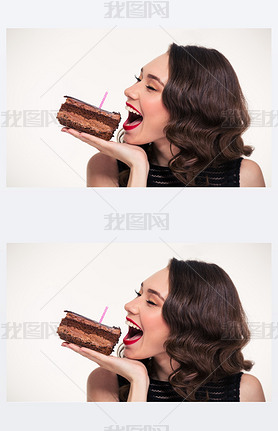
[59,215]
[43,65]
[45,279]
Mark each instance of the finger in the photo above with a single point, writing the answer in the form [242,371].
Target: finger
[97,357]
[84,136]
[96,142]
[78,349]
[71,346]
[71,131]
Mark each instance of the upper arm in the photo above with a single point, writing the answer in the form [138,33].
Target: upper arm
[251,174]
[102,385]
[102,171]
[251,389]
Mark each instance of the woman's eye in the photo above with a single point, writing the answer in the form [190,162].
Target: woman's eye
[151,303]
[150,88]
[140,294]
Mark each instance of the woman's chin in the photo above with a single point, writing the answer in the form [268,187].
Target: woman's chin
[133,140]
[126,355]
[129,355]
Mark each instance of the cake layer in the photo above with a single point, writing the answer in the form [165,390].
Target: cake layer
[90,111]
[88,118]
[89,328]
[89,333]
[81,124]
[82,339]
[82,319]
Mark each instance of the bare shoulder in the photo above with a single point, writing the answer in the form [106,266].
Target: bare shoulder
[251,174]
[102,385]
[251,389]
[102,171]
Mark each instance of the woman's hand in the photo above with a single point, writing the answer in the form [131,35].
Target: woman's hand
[131,155]
[132,370]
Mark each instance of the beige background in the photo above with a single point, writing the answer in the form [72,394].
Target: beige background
[84,63]
[45,279]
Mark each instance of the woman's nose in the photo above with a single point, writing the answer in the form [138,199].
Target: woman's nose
[132,306]
[132,92]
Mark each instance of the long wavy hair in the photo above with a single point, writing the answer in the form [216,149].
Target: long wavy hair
[208,327]
[208,112]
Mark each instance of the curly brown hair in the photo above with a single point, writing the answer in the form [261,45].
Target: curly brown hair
[208,327]
[208,112]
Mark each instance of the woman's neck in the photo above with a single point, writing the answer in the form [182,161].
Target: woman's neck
[161,368]
[162,153]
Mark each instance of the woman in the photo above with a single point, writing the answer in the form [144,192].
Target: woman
[186,117]
[186,332]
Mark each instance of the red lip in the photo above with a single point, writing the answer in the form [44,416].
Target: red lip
[126,125]
[128,104]
[128,342]
[128,318]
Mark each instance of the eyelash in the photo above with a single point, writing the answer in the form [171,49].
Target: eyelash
[147,86]
[139,294]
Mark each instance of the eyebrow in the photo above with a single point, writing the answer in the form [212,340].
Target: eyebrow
[155,292]
[151,76]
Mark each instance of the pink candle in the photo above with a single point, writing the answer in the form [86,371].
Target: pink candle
[103,314]
[104,97]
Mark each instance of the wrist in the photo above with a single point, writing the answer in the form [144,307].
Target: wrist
[141,169]
[139,160]
[138,176]
[141,379]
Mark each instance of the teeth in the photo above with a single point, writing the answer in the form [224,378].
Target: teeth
[128,108]
[132,325]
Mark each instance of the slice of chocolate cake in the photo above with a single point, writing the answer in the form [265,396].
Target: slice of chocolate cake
[87,118]
[85,332]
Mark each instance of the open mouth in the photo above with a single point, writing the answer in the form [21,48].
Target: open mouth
[134,119]
[134,333]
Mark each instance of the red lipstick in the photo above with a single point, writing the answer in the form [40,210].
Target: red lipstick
[128,104]
[134,118]
[130,320]
[133,335]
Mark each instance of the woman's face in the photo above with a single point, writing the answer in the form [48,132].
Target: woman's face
[145,97]
[145,313]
